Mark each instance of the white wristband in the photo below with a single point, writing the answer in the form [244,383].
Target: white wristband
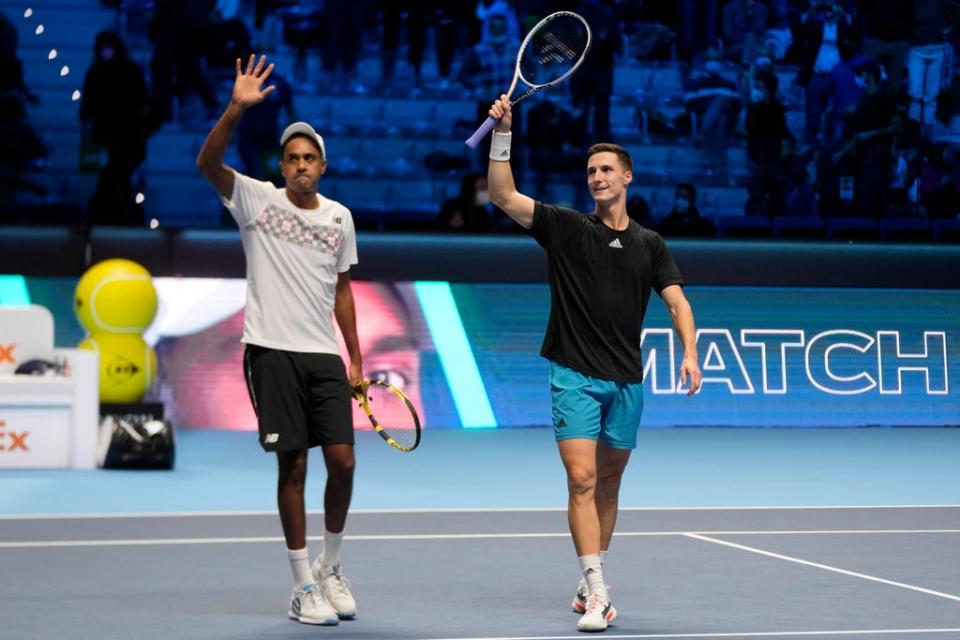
[500,146]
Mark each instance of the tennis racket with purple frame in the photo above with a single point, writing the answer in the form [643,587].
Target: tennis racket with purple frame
[550,53]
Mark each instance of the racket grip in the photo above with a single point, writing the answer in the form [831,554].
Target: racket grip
[481,133]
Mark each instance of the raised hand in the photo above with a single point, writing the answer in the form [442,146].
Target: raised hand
[501,111]
[247,88]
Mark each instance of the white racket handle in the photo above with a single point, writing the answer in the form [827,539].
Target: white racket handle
[482,132]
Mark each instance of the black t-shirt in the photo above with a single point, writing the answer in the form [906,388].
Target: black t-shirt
[600,281]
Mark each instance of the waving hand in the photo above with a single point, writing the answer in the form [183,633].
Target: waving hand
[247,89]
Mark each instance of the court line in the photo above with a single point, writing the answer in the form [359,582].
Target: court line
[825,567]
[213,514]
[128,542]
[749,634]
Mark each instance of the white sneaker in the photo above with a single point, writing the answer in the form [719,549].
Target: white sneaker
[598,615]
[307,605]
[336,589]
[579,604]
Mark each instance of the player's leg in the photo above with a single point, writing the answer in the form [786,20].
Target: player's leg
[331,425]
[580,461]
[576,407]
[276,393]
[292,479]
[611,464]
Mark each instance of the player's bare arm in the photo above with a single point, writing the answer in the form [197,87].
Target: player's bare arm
[503,191]
[682,315]
[345,312]
[247,91]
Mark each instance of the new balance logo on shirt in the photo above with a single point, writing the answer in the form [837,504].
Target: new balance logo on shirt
[616,244]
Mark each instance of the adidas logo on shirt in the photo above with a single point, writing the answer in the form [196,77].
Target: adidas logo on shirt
[616,244]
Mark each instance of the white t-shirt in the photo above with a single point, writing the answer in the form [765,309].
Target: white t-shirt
[294,257]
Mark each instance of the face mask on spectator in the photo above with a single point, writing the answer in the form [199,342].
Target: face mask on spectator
[713,66]
[682,205]
[482,198]
[861,82]
[756,95]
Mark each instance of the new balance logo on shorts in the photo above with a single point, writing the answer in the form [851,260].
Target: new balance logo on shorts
[616,244]
[271,438]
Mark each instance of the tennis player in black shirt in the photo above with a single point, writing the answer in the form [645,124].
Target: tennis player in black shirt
[602,269]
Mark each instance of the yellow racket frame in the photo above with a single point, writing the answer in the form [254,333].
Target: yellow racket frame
[362,398]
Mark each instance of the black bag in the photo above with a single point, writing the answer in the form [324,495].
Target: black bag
[135,437]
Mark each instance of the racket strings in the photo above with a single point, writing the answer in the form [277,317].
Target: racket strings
[393,414]
[553,50]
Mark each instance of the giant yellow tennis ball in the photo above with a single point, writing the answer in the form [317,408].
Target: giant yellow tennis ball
[115,296]
[128,366]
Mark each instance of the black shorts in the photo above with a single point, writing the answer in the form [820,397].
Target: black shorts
[301,400]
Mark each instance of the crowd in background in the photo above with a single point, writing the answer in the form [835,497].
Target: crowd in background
[873,78]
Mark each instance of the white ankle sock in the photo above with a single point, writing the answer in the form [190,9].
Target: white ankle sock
[593,573]
[331,548]
[603,557]
[300,565]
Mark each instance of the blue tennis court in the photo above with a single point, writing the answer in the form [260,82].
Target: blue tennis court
[724,533]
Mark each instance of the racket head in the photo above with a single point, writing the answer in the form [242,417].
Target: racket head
[553,49]
[391,413]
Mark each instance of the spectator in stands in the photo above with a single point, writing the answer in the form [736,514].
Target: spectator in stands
[715,100]
[451,26]
[886,30]
[744,24]
[639,211]
[551,133]
[591,86]
[20,147]
[343,37]
[116,113]
[868,144]
[940,183]
[684,220]
[471,210]
[11,69]
[179,29]
[824,27]
[800,194]
[931,19]
[766,130]
[845,93]
[416,13]
[903,190]
[8,40]
[699,20]
[228,37]
[488,68]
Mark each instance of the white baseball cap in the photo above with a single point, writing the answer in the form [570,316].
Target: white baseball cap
[305,129]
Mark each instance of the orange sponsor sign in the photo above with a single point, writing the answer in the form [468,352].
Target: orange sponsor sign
[11,440]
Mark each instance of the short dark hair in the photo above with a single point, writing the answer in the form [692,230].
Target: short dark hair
[770,82]
[689,188]
[622,154]
[310,139]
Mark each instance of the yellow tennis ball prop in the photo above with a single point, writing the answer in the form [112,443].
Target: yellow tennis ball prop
[115,296]
[128,366]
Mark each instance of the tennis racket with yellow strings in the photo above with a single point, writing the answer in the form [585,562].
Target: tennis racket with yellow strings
[391,413]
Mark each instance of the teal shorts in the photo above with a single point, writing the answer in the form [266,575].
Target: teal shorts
[594,408]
